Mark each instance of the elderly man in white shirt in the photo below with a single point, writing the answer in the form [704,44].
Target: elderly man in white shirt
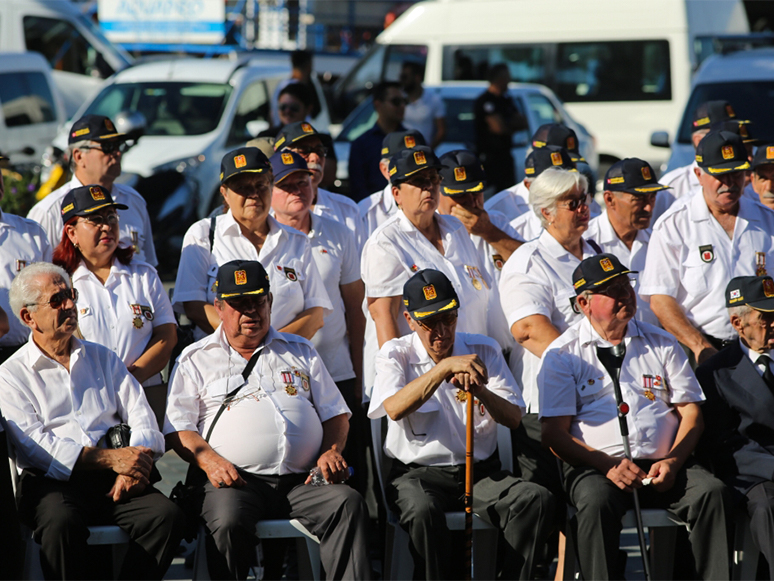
[59,397]
[282,415]
[423,381]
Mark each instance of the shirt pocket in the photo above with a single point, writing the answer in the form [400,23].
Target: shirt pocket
[695,275]
[591,387]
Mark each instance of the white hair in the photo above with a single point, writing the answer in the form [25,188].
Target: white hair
[86,143]
[740,311]
[552,185]
[25,288]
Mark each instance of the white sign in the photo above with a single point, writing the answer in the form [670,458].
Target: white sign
[163,21]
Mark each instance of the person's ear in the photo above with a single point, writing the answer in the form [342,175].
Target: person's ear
[396,194]
[737,324]
[71,235]
[609,198]
[410,321]
[271,300]
[26,317]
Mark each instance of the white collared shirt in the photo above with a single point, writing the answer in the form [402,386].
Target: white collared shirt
[691,258]
[537,280]
[134,227]
[602,232]
[341,209]
[52,414]
[286,255]
[434,434]
[683,183]
[376,209]
[528,225]
[573,382]
[512,202]
[122,313]
[22,242]
[336,255]
[274,424]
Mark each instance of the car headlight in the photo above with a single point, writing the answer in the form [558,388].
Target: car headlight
[183,166]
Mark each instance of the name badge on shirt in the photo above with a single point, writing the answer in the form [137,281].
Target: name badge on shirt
[707,253]
[498,261]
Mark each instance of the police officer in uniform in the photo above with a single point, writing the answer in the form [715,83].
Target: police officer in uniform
[762,178]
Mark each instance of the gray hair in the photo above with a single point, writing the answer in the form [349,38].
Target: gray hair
[550,186]
[86,143]
[740,311]
[25,288]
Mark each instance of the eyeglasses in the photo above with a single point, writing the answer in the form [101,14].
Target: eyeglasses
[99,220]
[576,203]
[424,182]
[307,150]
[432,323]
[398,102]
[109,147]
[59,299]
[289,108]
[617,290]
[244,304]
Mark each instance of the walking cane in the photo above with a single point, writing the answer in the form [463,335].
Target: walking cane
[612,359]
[469,491]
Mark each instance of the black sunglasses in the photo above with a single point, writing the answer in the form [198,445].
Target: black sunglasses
[109,147]
[58,299]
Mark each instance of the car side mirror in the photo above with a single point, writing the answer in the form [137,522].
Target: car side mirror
[659,139]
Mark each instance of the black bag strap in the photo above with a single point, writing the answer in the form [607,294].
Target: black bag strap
[213,221]
[230,396]
[597,248]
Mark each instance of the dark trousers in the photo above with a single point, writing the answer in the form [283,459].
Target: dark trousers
[760,508]
[697,497]
[420,495]
[60,512]
[336,514]
[357,439]
[536,463]
[11,554]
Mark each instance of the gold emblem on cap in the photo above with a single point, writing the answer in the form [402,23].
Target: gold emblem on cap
[419,158]
[240,277]
[646,172]
[459,174]
[743,131]
[730,111]
[570,142]
[97,194]
[606,265]
[287,158]
[240,161]
[429,292]
[556,158]
[728,152]
[409,141]
[768,287]
[109,125]
[306,128]
[770,152]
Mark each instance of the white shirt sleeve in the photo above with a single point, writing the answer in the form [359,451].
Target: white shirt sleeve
[522,296]
[182,413]
[148,248]
[162,308]
[350,264]
[327,399]
[391,362]
[195,260]
[46,215]
[556,383]
[383,272]
[315,294]
[661,275]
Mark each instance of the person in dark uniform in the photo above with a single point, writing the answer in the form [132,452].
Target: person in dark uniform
[496,120]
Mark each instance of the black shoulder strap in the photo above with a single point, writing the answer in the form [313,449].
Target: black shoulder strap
[230,396]
[597,248]
[213,222]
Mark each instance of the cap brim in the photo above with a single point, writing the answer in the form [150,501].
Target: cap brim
[732,166]
[766,306]
[647,189]
[611,277]
[423,168]
[576,157]
[95,208]
[241,171]
[291,172]
[434,309]
[260,291]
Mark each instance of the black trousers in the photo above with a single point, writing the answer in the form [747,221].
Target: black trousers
[760,508]
[420,495]
[60,512]
[11,554]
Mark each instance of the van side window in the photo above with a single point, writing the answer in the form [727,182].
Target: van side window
[253,106]
[26,99]
[543,109]
[64,47]
[526,63]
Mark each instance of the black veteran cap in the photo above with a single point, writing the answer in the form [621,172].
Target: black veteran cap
[243,160]
[87,200]
[284,163]
[596,271]
[93,128]
[462,173]
[397,141]
[241,277]
[755,291]
[722,152]
[763,155]
[742,128]
[292,133]
[632,175]
[410,161]
[712,112]
[559,135]
[429,293]
[540,159]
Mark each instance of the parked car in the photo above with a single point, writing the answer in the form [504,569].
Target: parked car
[536,102]
[746,80]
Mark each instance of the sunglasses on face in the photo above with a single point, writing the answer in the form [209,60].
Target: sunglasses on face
[59,299]
[289,108]
[576,203]
[99,220]
[307,150]
[424,183]
[243,304]
[109,147]
[432,323]
[398,102]
[617,290]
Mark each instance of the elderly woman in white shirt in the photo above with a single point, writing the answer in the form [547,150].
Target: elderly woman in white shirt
[121,302]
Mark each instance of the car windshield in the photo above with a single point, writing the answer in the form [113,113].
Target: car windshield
[169,108]
[751,100]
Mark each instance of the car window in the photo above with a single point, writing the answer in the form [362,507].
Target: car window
[64,47]
[526,63]
[26,99]
[169,108]
[360,121]
[543,109]
[397,54]
[253,106]
[460,127]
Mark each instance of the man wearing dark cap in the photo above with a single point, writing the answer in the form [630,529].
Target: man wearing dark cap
[255,410]
[95,149]
[700,245]
[762,178]
[738,383]
[421,384]
[624,229]
[376,208]
[578,410]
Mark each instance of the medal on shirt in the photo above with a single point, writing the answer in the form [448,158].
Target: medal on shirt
[20,264]
[414,268]
[472,275]
[498,261]
[303,377]
[647,384]
[760,264]
[707,253]
[461,395]
[137,321]
[287,378]
[135,240]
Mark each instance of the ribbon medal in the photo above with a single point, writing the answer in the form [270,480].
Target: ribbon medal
[471,272]
[461,395]
[760,264]
[647,384]
[137,321]
[287,378]
[135,240]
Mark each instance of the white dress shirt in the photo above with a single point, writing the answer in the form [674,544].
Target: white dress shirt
[286,255]
[683,183]
[376,209]
[51,414]
[122,313]
[422,113]
[512,202]
[434,434]
[341,209]
[134,227]
[677,266]
[22,242]
[754,356]
[274,424]
[573,382]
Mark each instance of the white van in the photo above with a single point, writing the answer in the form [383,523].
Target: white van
[79,54]
[623,68]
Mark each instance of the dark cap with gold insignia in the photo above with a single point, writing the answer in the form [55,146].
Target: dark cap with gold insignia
[742,128]
[429,293]
[411,161]
[596,271]
[755,291]
[764,155]
[541,158]
[243,160]
[292,133]
[560,136]
[93,128]
[712,112]
[87,200]
[461,173]
[632,175]
[722,152]
[284,163]
[240,278]
[397,141]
